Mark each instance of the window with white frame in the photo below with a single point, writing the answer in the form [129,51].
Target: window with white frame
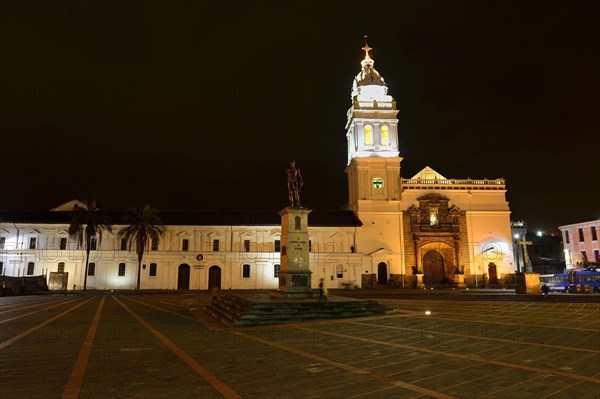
[185,244]
[121,269]
[63,243]
[339,271]
[246,271]
[92,269]
[61,267]
[30,268]
[276,270]
[32,242]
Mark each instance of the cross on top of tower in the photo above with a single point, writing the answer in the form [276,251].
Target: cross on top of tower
[366,48]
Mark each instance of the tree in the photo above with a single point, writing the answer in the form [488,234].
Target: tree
[88,222]
[143,225]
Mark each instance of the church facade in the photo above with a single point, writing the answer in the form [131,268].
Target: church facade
[427,230]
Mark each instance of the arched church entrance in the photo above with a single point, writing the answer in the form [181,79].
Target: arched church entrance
[382,277]
[214,277]
[433,268]
[492,274]
[183,277]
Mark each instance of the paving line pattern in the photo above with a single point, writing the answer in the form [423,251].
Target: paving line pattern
[209,377]
[33,329]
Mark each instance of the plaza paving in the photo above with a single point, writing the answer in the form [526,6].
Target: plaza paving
[116,345]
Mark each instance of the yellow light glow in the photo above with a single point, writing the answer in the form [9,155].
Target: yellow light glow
[385,135]
[368,135]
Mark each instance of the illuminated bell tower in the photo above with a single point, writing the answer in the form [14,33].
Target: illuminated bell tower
[372,135]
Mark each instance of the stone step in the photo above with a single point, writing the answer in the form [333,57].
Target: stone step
[235,311]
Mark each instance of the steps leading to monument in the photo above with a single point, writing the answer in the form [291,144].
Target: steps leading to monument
[236,311]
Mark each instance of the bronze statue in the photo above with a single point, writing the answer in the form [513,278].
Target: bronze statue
[294,185]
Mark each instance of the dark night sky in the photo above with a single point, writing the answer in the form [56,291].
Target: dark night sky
[191,105]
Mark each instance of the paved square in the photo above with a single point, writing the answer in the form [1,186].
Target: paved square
[162,346]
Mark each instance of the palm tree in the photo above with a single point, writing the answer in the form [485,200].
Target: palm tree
[143,225]
[88,222]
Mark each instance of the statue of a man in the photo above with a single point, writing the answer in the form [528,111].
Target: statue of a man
[294,184]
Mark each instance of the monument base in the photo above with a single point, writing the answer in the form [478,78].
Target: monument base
[252,309]
[527,283]
[294,294]
[294,280]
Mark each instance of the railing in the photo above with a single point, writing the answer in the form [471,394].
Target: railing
[375,104]
[483,184]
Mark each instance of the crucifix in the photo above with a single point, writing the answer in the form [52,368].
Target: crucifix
[366,48]
[527,265]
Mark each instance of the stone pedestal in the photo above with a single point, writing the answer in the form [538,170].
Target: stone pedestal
[459,281]
[419,281]
[527,283]
[294,274]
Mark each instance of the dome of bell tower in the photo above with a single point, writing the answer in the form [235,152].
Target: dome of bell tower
[369,84]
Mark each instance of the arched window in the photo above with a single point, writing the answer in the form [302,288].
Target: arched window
[368,135]
[152,269]
[61,267]
[30,268]
[246,271]
[92,269]
[121,269]
[385,135]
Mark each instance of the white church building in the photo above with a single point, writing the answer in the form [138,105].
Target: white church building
[398,231]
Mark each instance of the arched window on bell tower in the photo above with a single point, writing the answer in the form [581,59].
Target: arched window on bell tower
[385,135]
[368,135]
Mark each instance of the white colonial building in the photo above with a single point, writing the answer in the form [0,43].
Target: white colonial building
[395,227]
[581,246]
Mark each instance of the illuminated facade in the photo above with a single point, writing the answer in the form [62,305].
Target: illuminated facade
[451,232]
[448,230]
[581,246]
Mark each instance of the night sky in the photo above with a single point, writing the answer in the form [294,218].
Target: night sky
[191,105]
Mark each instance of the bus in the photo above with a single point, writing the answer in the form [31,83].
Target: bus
[573,281]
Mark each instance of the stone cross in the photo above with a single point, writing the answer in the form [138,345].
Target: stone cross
[527,265]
